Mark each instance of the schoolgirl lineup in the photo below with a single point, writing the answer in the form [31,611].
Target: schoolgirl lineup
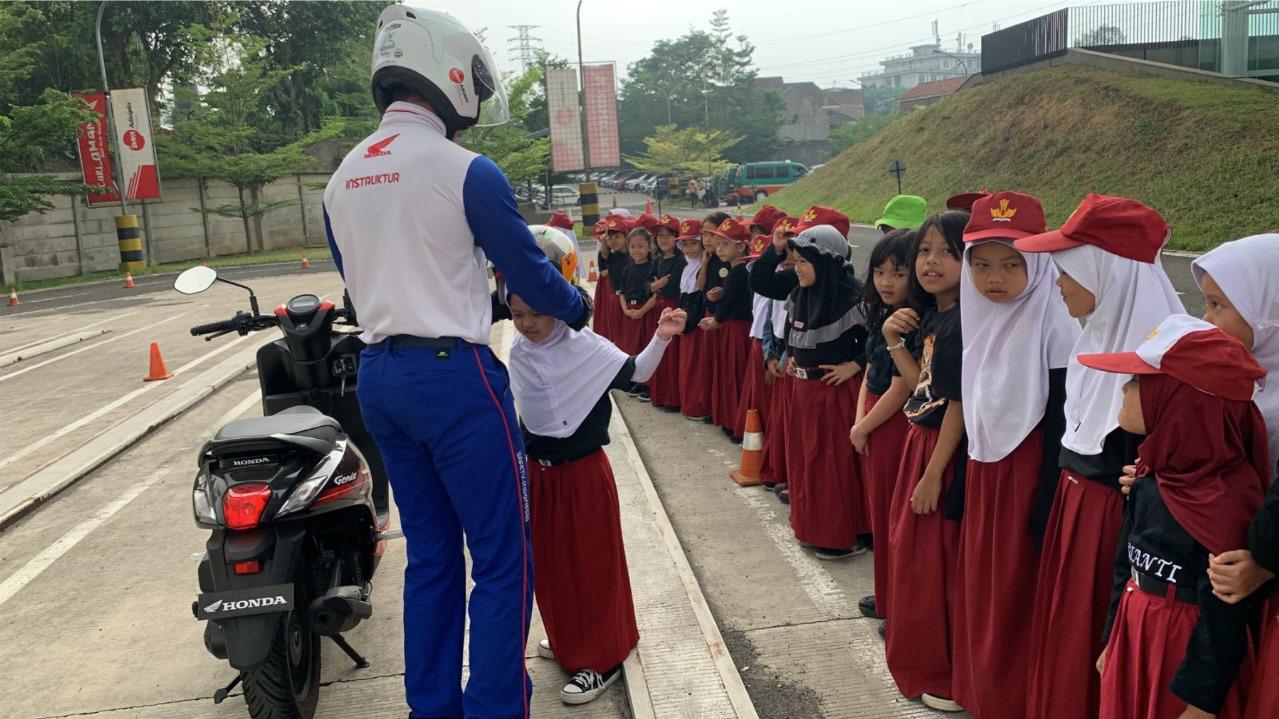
[1064,483]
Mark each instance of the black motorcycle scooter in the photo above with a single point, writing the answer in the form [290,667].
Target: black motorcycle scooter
[297,504]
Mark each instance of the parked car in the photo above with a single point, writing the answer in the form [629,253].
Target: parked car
[636,184]
[565,195]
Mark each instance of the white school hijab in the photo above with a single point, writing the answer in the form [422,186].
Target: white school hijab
[1247,270]
[688,279]
[1008,349]
[1132,299]
[556,382]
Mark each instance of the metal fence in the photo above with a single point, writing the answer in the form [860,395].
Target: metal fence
[1233,37]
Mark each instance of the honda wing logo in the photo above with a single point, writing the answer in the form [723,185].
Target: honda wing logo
[378,149]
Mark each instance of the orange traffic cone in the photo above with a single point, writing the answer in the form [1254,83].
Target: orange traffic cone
[158,371]
[306,264]
[593,276]
[648,207]
[614,202]
[747,473]
[128,280]
[14,301]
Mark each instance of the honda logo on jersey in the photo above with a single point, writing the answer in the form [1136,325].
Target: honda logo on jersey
[378,149]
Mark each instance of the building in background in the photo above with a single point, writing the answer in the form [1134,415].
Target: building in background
[924,63]
[927,93]
[811,114]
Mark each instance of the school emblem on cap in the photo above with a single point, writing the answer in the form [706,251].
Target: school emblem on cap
[686,228]
[666,219]
[810,215]
[783,225]
[1152,334]
[726,225]
[1003,213]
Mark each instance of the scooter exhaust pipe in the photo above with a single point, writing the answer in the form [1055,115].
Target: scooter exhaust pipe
[339,610]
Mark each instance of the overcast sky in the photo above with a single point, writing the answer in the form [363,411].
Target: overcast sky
[830,42]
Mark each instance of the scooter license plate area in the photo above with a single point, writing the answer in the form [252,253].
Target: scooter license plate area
[243,602]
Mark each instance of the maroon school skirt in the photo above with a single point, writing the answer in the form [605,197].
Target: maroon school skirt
[827,505]
[664,386]
[582,587]
[756,393]
[731,350]
[773,458]
[1147,644]
[605,305]
[921,574]
[1263,700]
[995,583]
[879,477]
[634,335]
[695,374]
[1076,570]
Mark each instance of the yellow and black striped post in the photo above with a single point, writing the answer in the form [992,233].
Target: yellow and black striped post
[590,206]
[129,235]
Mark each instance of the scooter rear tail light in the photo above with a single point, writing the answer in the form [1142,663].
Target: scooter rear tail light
[244,503]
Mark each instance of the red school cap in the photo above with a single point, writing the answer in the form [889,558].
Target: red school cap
[732,230]
[1005,215]
[964,201]
[1190,351]
[690,229]
[818,215]
[766,217]
[646,221]
[669,222]
[560,220]
[617,223]
[1118,225]
[599,229]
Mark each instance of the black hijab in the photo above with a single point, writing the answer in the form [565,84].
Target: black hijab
[828,309]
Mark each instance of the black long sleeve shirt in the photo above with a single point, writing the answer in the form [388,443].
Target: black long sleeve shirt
[589,436]
[767,281]
[1155,544]
[736,302]
[634,282]
[1053,426]
[1263,533]
[672,267]
[616,263]
[1118,449]
[717,272]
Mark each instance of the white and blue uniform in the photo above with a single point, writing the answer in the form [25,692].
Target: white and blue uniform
[411,218]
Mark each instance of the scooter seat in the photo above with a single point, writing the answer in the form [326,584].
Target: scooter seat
[302,425]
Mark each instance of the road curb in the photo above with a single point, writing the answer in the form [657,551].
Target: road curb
[143,279]
[19,500]
[47,346]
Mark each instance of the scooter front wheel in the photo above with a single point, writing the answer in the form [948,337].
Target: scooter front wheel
[286,685]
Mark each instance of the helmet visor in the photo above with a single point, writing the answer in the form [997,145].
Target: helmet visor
[494,109]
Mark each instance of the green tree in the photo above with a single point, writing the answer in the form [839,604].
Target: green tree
[219,137]
[29,137]
[857,131]
[1102,35]
[514,146]
[689,150]
[880,99]
[702,78]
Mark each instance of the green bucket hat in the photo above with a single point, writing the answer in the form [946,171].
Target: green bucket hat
[904,212]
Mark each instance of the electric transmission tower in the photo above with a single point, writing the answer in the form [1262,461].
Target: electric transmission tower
[523,46]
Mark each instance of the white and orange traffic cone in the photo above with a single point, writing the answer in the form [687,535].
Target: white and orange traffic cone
[593,275]
[158,370]
[648,207]
[128,280]
[14,301]
[747,472]
[306,264]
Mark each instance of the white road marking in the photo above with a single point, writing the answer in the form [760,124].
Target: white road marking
[106,409]
[91,325]
[86,348]
[54,299]
[76,304]
[42,561]
[816,582]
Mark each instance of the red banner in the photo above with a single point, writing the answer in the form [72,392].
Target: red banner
[95,157]
[601,115]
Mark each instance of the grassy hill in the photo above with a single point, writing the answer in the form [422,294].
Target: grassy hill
[1204,155]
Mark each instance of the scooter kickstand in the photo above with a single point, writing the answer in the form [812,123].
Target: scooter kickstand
[360,662]
[224,692]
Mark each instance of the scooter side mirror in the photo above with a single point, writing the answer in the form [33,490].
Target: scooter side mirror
[195,280]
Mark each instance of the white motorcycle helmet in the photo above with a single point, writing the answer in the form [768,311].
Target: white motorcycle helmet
[558,249]
[435,56]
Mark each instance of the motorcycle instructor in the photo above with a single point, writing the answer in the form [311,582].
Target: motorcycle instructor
[411,218]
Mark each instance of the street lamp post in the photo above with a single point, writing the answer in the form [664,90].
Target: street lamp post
[128,235]
[581,71]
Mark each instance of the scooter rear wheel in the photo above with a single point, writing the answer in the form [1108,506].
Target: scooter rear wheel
[287,684]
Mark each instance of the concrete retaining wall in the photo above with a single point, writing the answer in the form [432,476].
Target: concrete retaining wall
[74,239]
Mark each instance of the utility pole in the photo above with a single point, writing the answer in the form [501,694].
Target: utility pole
[522,45]
[127,233]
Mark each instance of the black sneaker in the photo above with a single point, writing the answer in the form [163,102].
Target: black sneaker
[588,684]
[883,630]
[860,548]
[866,605]
[634,391]
[832,554]
[644,396]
